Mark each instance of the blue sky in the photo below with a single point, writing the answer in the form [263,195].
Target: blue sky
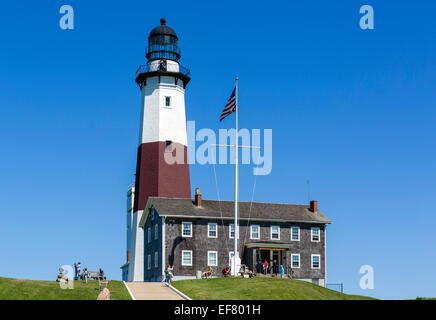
[352,111]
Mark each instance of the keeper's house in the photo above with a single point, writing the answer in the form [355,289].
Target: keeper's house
[193,235]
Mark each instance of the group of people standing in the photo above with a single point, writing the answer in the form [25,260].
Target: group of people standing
[270,267]
[79,274]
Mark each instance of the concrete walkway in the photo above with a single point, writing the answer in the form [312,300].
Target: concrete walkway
[152,291]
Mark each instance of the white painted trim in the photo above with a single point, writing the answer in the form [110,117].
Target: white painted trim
[184,296]
[216,259]
[271,232]
[216,229]
[292,261]
[319,234]
[187,236]
[192,258]
[251,231]
[128,289]
[311,261]
[299,235]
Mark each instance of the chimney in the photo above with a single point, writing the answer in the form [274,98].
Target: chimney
[314,205]
[197,197]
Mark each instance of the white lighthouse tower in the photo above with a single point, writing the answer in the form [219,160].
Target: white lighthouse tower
[162,165]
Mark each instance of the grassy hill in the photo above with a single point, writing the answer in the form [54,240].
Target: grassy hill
[17,289]
[258,289]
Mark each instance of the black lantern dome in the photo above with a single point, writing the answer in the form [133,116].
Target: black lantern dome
[162,43]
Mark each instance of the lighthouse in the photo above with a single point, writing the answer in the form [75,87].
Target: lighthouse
[162,168]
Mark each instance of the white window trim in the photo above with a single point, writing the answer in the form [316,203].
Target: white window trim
[319,234]
[298,233]
[316,255]
[156,231]
[149,234]
[258,231]
[165,102]
[156,259]
[271,233]
[148,261]
[183,251]
[208,258]
[208,230]
[230,231]
[292,261]
[183,235]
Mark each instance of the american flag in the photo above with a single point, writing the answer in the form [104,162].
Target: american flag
[230,106]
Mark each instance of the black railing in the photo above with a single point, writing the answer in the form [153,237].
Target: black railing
[164,67]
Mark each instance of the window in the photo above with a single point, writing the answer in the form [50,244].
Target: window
[168,146]
[156,231]
[167,101]
[186,258]
[156,259]
[316,261]
[212,258]
[186,229]
[254,231]
[295,260]
[148,262]
[315,235]
[295,233]
[149,234]
[232,231]
[212,230]
[275,233]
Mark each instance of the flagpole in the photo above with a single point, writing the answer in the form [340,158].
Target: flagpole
[235,247]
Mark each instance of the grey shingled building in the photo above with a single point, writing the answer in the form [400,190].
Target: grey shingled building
[195,235]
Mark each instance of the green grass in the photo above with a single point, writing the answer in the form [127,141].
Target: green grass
[258,289]
[18,289]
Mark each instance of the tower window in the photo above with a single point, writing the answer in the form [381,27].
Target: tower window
[168,146]
[167,101]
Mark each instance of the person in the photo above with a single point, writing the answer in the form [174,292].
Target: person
[265,266]
[75,271]
[226,271]
[79,270]
[259,266]
[275,267]
[85,275]
[168,274]
[282,271]
[101,274]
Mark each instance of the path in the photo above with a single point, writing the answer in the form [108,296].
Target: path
[152,291]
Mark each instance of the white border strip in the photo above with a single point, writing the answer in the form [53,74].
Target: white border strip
[184,296]
[130,292]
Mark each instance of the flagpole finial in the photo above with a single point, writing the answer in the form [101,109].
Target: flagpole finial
[237,78]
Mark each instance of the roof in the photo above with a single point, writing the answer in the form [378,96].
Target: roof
[162,29]
[255,211]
